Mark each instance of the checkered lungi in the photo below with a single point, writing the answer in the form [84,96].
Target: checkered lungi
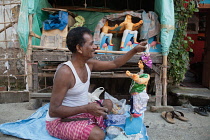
[74,130]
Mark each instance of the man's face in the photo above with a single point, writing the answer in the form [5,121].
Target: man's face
[89,47]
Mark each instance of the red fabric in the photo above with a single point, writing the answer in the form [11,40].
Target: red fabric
[198,48]
[74,130]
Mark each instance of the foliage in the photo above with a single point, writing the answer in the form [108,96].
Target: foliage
[178,57]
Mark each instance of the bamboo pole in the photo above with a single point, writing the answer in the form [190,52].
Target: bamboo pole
[34,35]
[165,80]
[6,59]
[8,22]
[9,3]
[6,44]
[6,27]
[28,66]
[9,40]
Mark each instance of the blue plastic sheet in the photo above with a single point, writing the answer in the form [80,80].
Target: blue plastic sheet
[32,128]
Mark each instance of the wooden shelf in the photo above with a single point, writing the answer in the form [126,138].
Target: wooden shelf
[100,9]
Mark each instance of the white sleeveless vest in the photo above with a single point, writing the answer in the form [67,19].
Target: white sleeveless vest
[78,95]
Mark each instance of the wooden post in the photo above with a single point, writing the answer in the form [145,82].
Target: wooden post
[159,92]
[35,77]
[165,80]
[33,103]
[28,58]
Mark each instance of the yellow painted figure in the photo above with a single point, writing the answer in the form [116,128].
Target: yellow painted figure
[129,27]
[139,96]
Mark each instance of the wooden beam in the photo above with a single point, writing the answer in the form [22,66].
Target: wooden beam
[9,3]
[28,61]
[57,55]
[97,51]
[156,69]
[9,25]
[95,75]
[40,95]
[34,35]
[90,9]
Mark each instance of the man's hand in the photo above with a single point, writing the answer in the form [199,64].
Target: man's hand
[141,47]
[96,110]
[143,43]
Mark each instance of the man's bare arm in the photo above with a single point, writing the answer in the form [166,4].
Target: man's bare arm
[61,85]
[96,65]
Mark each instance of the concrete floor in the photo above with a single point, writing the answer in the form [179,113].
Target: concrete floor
[197,128]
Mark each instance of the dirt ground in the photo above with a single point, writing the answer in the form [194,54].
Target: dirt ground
[197,128]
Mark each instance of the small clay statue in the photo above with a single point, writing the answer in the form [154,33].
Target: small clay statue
[129,27]
[139,96]
[105,32]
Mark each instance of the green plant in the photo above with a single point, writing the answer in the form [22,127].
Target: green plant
[178,57]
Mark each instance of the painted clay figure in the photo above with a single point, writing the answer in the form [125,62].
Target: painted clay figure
[129,27]
[139,96]
[105,32]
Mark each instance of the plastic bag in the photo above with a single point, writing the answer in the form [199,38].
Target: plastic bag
[116,133]
[118,105]
[113,119]
[92,97]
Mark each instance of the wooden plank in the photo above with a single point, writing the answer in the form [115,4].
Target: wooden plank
[156,68]
[54,32]
[53,10]
[108,75]
[51,41]
[35,95]
[14,96]
[158,93]
[156,58]
[95,75]
[97,51]
[65,56]
[90,9]
[50,56]
[35,78]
